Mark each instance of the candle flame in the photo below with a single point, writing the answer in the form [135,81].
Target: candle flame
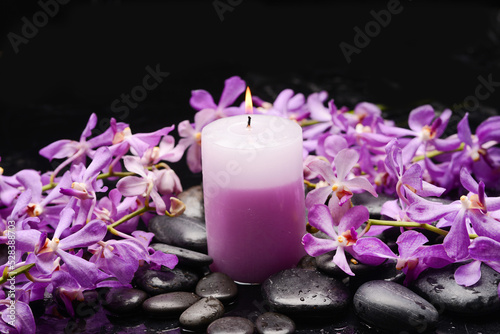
[248,102]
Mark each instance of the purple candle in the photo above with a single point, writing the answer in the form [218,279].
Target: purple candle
[254,197]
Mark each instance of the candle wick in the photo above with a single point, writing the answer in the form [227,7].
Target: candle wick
[249,121]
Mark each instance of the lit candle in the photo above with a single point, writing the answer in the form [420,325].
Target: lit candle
[254,195]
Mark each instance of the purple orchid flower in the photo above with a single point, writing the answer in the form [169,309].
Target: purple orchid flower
[8,188]
[112,208]
[287,104]
[191,138]
[426,130]
[21,322]
[85,185]
[138,143]
[468,214]
[318,112]
[146,185]
[480,155]
[122,258]
[414,257]
[408,179]
[341,187]
[329,145]
[202,100]
[49,251]
[482,250]
[76,151]
[344,239]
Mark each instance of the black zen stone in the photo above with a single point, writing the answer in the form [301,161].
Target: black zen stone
[326,265]
[307,262]
[193,199]
[170,304]
[199,315]
[231,325]
[274,323]
[439,287]
[394,308]
[124,300]
[305,293]
[186,257]
[217,285]
[182,231]
[155,282]
[372,203]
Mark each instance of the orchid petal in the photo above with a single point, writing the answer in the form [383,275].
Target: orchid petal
[132,164]
[86,273]
[66,218]
[373,247]
[201,99]
[361,182]
[193,158]
[320,218]
[102,159]
[132,186]
[420,117]
[353,218]
[318,196]
[60,149]
[485,249]
[344,162]
[92,122]
[340,260]
[91,233]
[233,87]
[316,246]
[468,181]
[468,274]
[408,243]
[457,240]
[324,169]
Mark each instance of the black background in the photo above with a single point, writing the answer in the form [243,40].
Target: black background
[91,52]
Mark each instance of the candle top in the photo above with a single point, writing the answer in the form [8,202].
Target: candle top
[265,131]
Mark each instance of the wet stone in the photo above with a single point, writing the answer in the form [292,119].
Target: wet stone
[386,271]
[217,285]
[193,199]
[199,315]
[373,204]
[182,231]
[394,308]
[305,293]
[124,300]
[326,265]
[85,308]
[439,287]
[307,262]
[186,257]
[231,325]
[170,304]
[274,323]
[156,282]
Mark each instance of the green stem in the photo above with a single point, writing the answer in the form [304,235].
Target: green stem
[114,174]
[108,175]
[129,216]
[435,153]
[308,122]
[410,224]
[15,272]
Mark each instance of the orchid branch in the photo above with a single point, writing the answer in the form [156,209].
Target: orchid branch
[425,226]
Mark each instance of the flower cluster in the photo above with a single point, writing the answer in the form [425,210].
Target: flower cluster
[65,232]
[351,151]
[73,234]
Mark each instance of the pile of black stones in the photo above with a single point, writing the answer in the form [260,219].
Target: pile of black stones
[313,297]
